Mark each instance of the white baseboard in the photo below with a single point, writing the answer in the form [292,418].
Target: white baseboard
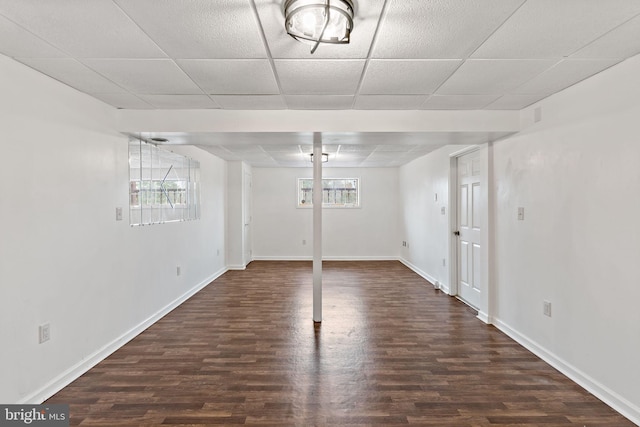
[360,258]
[422,274]
[74,372]
[237,267]
[326,258]
[282,258]
[608,396]
[484,317]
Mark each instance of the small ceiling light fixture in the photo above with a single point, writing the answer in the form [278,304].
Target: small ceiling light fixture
[325,157]
[319,21]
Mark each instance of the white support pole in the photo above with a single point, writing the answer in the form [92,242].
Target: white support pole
[317,227]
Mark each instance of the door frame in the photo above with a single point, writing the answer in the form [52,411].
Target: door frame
[484,307]
[247,215]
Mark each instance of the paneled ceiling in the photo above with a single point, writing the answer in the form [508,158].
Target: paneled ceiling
[404,55]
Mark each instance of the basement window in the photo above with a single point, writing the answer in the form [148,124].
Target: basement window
[336,193]
[163,186]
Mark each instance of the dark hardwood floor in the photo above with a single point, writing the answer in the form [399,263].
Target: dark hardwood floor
[390,351]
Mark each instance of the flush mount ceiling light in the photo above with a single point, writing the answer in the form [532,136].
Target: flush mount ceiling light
[319,21]
[325,157]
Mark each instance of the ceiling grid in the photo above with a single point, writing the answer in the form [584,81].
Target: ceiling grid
[464,55]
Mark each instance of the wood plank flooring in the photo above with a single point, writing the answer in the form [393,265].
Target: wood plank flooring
[390,351]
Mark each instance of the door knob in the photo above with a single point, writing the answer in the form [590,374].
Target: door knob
[457,233]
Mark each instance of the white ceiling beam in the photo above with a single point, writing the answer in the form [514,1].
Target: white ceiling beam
[314,121]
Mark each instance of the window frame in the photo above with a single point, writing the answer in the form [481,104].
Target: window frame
[327,205]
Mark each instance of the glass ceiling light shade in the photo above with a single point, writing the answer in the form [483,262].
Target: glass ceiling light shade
[325,157]
[319,21]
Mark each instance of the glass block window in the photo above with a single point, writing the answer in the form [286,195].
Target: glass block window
[336,192]
[163,186]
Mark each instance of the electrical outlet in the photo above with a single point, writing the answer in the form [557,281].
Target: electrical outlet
[44,332]
[118,214]
[546,308]
[218,252]
[520,214]
[443,210]
[404,244]
[178,270]
[444,262]
[304,242]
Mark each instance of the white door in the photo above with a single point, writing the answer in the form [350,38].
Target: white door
[469,218]
[247,214]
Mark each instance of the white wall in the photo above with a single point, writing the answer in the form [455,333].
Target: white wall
[369,232]
[577,175]
[422,224]
[64,259]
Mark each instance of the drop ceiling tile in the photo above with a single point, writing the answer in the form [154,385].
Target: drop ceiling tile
[342,138]
[199,29]
[220,152]
[346,161]
[290,157]
[123,100]
[180,101]
[389,102]
[381,156]
[491,77]
[232,76]
[281,148]
[256,138]
[395,148]
[250,102]
[146,76]
[514,102]
[319,77]
[83,29]
[245,149]
[182,138]
[331,149]
[614,44]
[350,156]
[73,73]
[398,77]
[283,46]
[554,29]
[15,41]
[360,149]
[458,102]
[319,102]
[439,28]
[564,74]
